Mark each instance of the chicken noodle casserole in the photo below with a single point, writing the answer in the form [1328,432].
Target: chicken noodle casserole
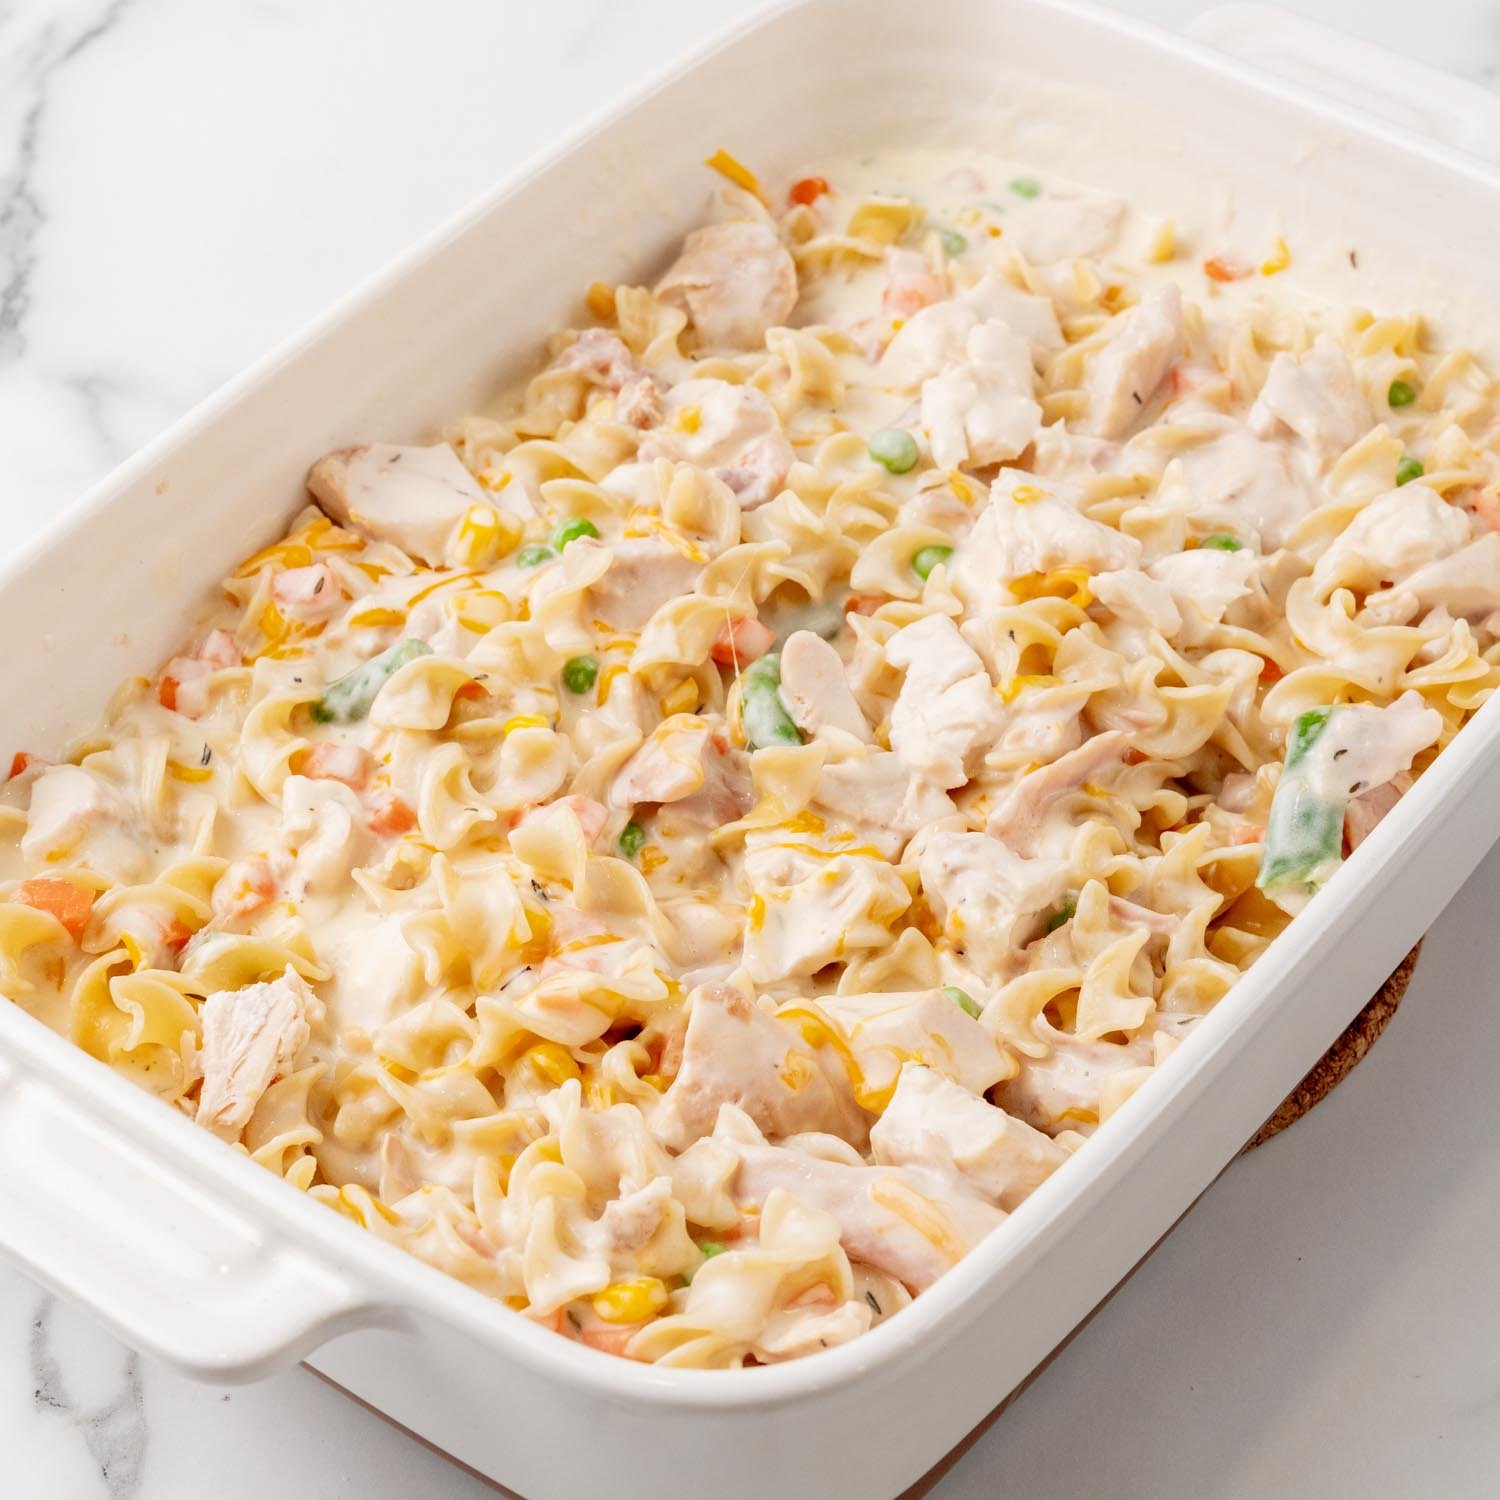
[690,854]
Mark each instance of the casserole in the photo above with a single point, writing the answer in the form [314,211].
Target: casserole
[263,1282]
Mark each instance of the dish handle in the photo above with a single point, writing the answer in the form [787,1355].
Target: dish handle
[1360,74]
[88,1212]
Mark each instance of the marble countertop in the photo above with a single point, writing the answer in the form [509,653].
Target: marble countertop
[182,185]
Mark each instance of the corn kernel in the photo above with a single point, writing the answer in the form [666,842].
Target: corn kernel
[683,698]
[524,721]
[689,419]
[632,1301]
[179,772]
[554,1062]
[1163,243]
[600,299]
[485,534]
[1278,260]
[1027,494]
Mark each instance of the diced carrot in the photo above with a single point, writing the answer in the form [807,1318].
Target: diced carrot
[390,815]
[1270,672]
[809,190]
[470,690]
[69,903]
[553,1321]
[18,764]
[863,604]
[1248,834]
[742,641]
[166,693]
[246,886]
[176,936]
[350,764]
[1226,268]
[609,1340]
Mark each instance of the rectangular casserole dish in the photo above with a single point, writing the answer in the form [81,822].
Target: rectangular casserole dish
[195,1255]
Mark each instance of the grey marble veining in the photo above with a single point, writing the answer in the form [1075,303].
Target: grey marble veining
[182,184]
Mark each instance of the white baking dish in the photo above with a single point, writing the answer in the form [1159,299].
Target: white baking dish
[197,1256]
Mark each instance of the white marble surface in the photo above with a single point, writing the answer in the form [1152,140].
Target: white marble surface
[183,184]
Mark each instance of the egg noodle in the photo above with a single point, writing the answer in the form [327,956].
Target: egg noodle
[690,853]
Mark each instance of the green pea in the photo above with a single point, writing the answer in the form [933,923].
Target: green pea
[533,555]
[962,999]
[1222,542]
[952,241]
[579,673]
[925,559]
[895,450]
[1064,913]
[570,531]
[763,715]
[1408,469]
[632,837]
[1026,187]
[1401,393]
[347,699]
[710,1248]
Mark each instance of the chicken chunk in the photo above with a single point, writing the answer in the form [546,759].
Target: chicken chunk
[932,1122]
[1243,484]
[736,1053]
[987,897]
[982,410]
[643,575]
[947,711]
[1063,1090]
[1203,584]
[600,357]
[1317,397]
[1015,538]
[74,815]
[888,1028]
[251,1037]
[906,1221]
[809,910]
[815,690]
[1466,583]
[686,757]
[735,281]
[931,340]
[1018,818]
[413,498]
[883,797]
[730,430]
[1127,371]
[1394,536]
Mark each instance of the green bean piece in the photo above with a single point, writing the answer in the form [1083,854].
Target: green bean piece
[347,699]
[1063,913]
[763,715]
[963,1000]
[570,531]
[1305,831]
[580,673]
